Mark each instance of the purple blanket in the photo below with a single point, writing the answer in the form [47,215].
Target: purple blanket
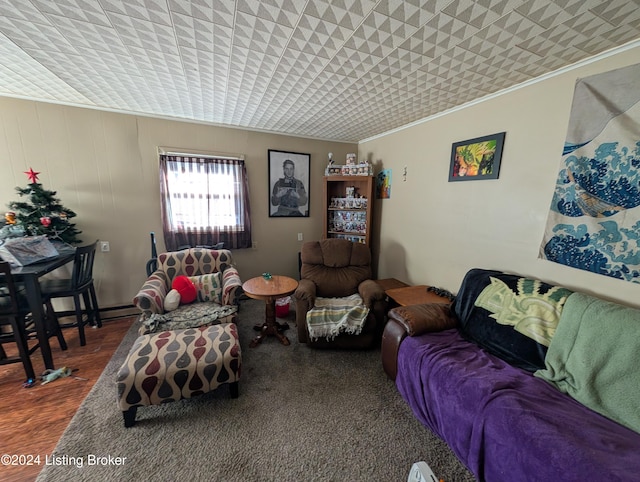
[503,423]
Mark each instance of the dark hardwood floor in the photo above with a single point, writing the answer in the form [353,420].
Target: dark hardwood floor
[33,419]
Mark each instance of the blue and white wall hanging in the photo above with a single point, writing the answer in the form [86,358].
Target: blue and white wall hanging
[594,220]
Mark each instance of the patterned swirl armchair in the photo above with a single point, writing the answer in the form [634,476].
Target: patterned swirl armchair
[192,262]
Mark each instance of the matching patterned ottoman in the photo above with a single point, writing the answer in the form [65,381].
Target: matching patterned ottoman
[176,364]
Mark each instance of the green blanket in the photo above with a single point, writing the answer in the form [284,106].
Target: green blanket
[331,316]
[595,357]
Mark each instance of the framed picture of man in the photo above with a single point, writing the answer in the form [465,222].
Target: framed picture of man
[288,184]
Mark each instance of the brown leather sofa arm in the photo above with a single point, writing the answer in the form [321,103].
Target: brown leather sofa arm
[419,319]
[392,336]
[412,320]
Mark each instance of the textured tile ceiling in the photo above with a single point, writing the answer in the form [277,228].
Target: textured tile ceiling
[333,69]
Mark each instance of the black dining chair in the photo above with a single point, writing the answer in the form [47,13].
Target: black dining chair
[79,285]
[13,310]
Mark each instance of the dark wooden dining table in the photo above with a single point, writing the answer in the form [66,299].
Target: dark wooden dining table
[30,276]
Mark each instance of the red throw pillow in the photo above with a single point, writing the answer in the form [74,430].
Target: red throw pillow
[186,288]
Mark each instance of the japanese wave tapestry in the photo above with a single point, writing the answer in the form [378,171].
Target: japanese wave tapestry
[594,220]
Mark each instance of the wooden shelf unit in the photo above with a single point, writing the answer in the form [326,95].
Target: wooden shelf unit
[347,217]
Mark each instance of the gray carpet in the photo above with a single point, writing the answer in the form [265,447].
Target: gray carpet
[302,414]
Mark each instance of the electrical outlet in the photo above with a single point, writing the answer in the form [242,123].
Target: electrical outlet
[104,246]
[299,236]
[254,245]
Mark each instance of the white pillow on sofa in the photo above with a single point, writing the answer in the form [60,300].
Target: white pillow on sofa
[172,300]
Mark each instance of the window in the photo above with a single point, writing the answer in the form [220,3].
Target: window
[205,200]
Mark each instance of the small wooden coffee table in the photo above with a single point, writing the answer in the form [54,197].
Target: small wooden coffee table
[269,290]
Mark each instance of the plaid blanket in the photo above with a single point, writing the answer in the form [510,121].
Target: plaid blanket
[331,316]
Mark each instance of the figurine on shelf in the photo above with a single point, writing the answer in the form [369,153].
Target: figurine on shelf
[332,169]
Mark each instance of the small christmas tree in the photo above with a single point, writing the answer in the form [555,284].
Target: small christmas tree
[43,214]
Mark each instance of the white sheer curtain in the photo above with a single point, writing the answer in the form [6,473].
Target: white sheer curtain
[204,201]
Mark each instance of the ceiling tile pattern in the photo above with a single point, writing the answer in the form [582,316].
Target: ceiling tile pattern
[334,69]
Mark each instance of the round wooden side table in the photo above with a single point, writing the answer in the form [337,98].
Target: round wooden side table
[269,290]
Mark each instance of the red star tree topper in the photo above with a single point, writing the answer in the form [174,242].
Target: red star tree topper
[32,175]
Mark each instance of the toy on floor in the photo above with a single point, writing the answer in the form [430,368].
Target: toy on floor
[29,383]
[51,375]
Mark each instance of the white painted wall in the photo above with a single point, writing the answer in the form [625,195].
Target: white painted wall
[432,231]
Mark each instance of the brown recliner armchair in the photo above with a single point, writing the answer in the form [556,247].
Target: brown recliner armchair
[336,268]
